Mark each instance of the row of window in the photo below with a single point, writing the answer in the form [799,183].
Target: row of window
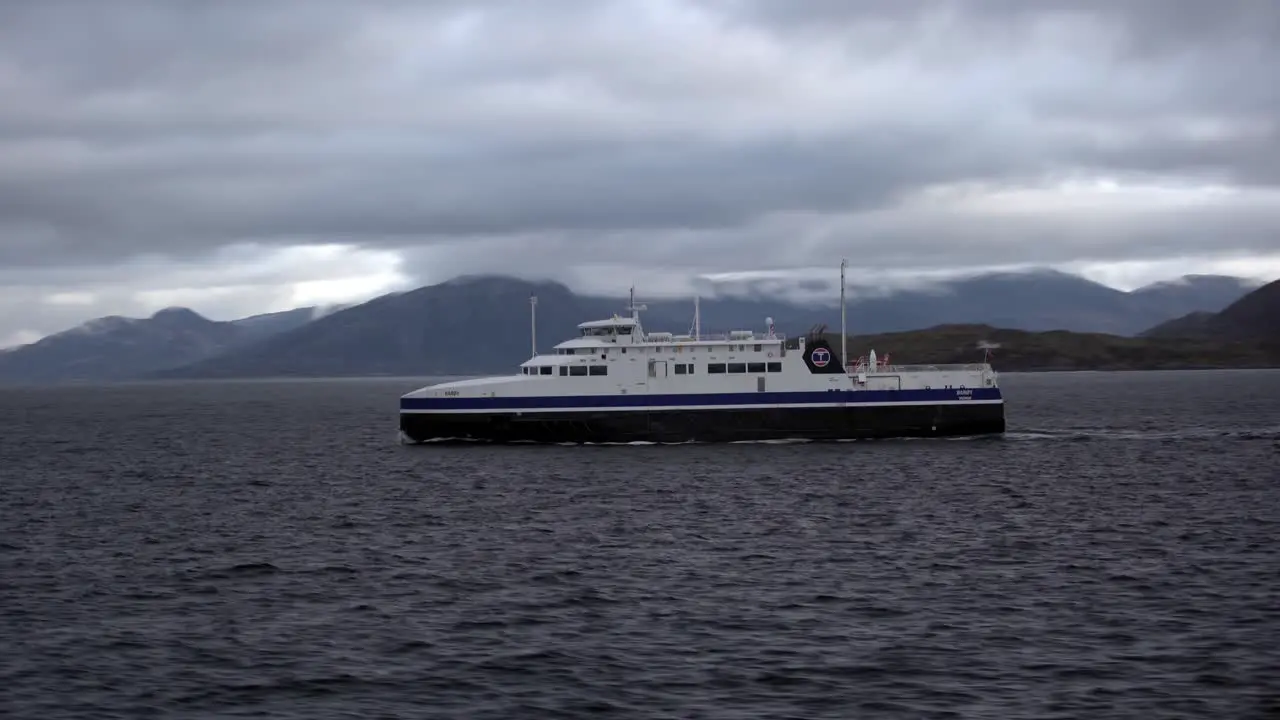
[755,367]
[568,370]
[584,370]
[662,349]
[680,369]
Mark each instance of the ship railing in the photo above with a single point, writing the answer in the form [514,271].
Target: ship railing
[718,337]
[896,368]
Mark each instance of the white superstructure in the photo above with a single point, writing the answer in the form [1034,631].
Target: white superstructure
[616,356]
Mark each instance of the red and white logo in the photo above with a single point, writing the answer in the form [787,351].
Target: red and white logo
[820,357]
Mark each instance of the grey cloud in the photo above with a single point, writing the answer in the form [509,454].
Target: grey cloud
[1145,26]
[222,284]
[689,134]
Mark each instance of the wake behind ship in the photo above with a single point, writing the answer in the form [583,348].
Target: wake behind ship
[617,383]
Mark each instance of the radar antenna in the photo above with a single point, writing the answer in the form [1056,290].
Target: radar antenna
[633,307]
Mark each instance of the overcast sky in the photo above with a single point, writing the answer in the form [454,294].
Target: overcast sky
[238,157]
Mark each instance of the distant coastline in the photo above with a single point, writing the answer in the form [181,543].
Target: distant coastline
[1062,351]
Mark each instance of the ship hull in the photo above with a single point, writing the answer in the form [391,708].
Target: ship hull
[679,425]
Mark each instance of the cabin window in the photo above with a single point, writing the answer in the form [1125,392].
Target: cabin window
[715,368]
[690,368]
[755,367]
[756,347]
[680,370]
[597,369]
[564,370]
[624,330]
[545,370]
[775,367]
[737,367]
[577,369]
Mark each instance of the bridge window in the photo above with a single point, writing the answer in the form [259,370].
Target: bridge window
[597,369]
[715,369]
[755,367]
[545,370]
[775,367]
[737,367]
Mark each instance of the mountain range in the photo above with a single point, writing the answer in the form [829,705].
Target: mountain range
[480,324]
[119,348]
[1254,318]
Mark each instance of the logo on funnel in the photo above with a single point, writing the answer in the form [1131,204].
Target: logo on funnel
[820,357]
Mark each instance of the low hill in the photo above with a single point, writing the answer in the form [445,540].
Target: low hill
[1019,350]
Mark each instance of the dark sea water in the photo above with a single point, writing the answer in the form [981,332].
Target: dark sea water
[268,549]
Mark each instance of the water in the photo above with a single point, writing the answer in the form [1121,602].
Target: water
[268,549]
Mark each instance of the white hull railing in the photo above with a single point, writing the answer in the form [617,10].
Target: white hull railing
[720,337]
[883,365]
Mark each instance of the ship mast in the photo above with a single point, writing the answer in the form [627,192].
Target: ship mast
[844,356]
[533,324]
[633,307]
[697,319]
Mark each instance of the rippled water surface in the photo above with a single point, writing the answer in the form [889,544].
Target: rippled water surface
[268,549]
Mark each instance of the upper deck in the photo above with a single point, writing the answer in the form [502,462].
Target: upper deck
[628,331]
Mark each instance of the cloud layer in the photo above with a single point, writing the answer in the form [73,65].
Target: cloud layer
[659,136]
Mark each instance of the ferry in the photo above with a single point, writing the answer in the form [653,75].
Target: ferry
[618,383]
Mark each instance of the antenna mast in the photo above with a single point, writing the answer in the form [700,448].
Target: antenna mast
[633,307]
[844,355]
[533,324]
[697,319]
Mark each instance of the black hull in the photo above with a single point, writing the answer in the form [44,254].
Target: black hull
[719,425]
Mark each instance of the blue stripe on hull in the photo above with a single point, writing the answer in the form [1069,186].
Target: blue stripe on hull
[852,397]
